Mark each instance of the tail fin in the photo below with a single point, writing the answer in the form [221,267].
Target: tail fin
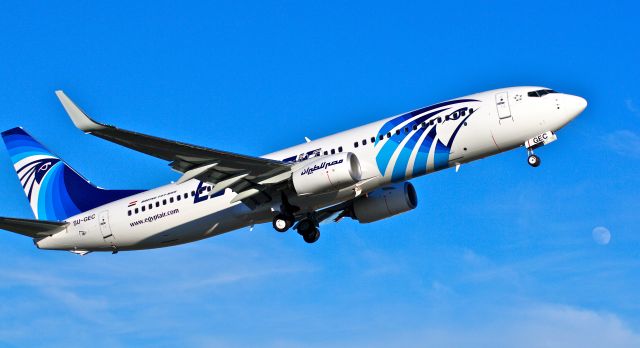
[55,191]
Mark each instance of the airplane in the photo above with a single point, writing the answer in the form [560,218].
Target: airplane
[361,173]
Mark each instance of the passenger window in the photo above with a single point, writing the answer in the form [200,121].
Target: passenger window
[333,151]
[129,212]
[164,202]
[143,208]
[136,211]
[170,199]
[340,149]
[406,129]
[364,141]
[193,193]
[389,135]
[381,137]
[179,197]
[423,125]
[150,206]
[397,131]
[157,204]
[432,122]
[208,188]
[326,153]
[373,140]
[415,126]
[186,195]
[355,144]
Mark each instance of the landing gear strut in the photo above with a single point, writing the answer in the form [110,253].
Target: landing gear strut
[308,229]
[535,142]
[285,219]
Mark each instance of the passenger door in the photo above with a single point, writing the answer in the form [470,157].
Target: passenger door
[105,229]
[502,104]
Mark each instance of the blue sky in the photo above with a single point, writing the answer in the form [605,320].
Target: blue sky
[499,254]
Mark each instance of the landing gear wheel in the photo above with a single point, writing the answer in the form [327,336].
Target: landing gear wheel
[308,229]
[533,160]
[305,227]
[312,237]
[282,223]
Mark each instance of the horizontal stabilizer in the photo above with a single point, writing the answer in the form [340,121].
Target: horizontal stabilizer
[32,228]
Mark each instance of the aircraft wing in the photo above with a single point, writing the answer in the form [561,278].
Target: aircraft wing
[250,177]
[32,228]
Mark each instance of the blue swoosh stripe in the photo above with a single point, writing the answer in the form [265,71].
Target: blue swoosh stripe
[399,119]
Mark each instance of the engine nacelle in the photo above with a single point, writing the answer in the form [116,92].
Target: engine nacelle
[385,202]
[327,174]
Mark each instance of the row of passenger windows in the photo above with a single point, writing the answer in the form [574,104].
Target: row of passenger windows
[453,116]
[166,201]
[408,129]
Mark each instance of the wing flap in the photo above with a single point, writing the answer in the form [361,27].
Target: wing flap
[32,228]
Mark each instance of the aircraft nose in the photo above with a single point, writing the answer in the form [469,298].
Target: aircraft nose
[575,105]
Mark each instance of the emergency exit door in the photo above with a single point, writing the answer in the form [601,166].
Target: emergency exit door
[502,104]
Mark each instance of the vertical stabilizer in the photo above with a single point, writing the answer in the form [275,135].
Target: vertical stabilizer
[54,190]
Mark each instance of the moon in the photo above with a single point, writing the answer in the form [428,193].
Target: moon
[601,235]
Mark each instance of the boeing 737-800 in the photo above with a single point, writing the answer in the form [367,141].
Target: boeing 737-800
[360,173]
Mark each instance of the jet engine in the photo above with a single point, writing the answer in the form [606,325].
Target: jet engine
[385,202]
[327,174]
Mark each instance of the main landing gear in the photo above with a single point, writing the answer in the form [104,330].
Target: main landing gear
[283,222]
[307,227]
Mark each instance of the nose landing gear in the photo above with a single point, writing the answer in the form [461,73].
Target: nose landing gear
[533,160]
[535,142]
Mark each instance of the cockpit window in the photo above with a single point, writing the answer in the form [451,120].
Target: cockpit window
[541,92]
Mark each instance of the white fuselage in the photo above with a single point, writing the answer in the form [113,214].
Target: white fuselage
[456,132]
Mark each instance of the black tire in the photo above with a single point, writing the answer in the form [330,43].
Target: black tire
[533,160]
[282,223]
[312,237]
[305,227]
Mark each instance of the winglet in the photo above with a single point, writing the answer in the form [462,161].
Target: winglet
[79,118]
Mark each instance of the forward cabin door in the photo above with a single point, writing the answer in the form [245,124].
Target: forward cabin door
[502,104]
[105,229]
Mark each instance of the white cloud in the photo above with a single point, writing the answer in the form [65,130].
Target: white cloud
[535,326]
[623,142]
[631,106]
[540,325]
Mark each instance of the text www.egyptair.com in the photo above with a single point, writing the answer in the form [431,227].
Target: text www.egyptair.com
[154,217]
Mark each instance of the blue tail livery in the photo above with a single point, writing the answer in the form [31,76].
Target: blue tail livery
[54,190]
